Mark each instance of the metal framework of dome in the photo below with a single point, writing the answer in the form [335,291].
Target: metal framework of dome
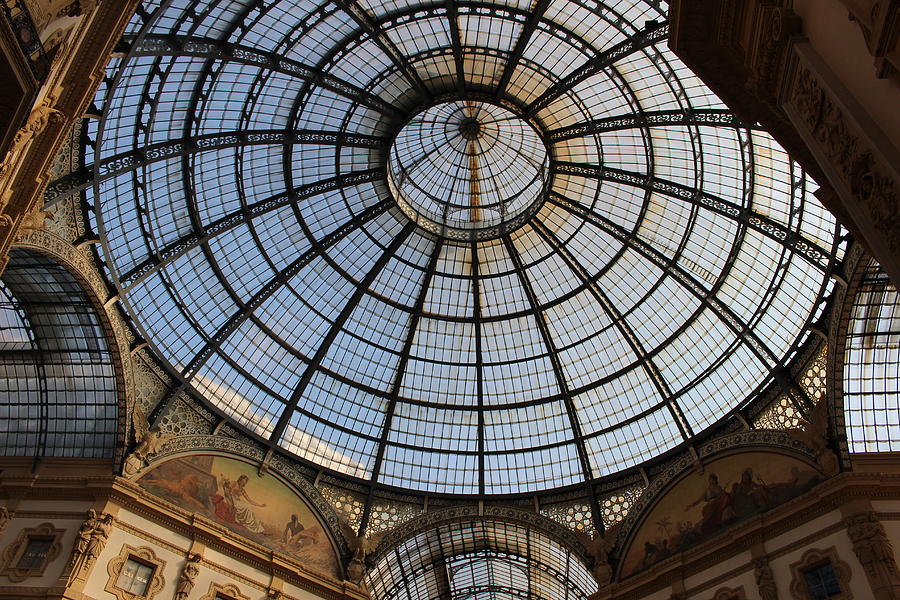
[449,247]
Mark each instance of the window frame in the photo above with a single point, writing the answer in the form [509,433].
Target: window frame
[15,551]
[142,555]
[815,558]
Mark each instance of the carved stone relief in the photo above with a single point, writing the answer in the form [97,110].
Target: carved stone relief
[91,540]
[849,155]
[765,579]
[875,553]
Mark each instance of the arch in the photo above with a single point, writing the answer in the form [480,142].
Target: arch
[742,475]
[867,360]
[462,551]
[61,382]
[255,504]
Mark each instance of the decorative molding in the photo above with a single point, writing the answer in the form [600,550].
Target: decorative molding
[854,154]
[814,558]
[730,594]
[14,552]
[149,537]
[879,22]
[229,590]
[142,554]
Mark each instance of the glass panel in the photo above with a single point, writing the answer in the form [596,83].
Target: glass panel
[35,553]
[597,243]
[135,577]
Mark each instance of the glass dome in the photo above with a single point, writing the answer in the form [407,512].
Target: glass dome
[451,247]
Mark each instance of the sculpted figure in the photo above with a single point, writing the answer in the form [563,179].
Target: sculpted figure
[90,542]
[188,575]
[814,435]
[361,546]
[875,552]
[149,442]
[599,546]
[765,580]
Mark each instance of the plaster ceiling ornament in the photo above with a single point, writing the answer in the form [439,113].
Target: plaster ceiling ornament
[464,248]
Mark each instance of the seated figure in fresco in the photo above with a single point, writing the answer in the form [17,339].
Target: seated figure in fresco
[716,508]
[234,506]
[293,531]
[749,495]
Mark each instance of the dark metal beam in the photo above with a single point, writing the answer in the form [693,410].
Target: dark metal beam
[362,287]
[618,320]
[536,14]
[456,43]
[479,359]
[280,279]
[640,40]
[808,249]
[400,371]
[682,276]
[113,166]
[561,379]
[177,248]
[370,26]
[659,118]
[175,45]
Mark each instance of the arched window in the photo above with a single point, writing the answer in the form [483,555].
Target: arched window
[58,393]
[872,366]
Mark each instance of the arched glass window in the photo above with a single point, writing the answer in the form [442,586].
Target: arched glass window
[480,559]
[872,366]
[58,392]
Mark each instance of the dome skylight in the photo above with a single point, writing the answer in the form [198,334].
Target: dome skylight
[468,169]
[453,247]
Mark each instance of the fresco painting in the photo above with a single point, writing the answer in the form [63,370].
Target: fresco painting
[729,490]
[262,509]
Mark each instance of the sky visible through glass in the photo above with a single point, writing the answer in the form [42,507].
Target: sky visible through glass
[671,264]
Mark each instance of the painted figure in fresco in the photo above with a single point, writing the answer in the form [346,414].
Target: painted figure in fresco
[293,532]
[235,506]
[749,495]
[716,508]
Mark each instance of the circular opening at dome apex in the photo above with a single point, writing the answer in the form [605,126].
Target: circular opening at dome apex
[468,169]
